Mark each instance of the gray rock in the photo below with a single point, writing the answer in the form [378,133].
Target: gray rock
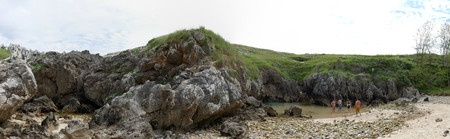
[233,129]
[206,96]
[323,88]
[50,122]
[39,105]
[295,111]
[76,129]
[274,88]
[270,111]
[71,106]
[17,85]
[253,102]
[438,120]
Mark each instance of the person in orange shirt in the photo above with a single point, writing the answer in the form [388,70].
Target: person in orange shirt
[357,107]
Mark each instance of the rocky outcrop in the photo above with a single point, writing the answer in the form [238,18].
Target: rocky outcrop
[205,96]
[325,87]
[272,87]
[60,76]
[17,85]
[19,53]
[410,93]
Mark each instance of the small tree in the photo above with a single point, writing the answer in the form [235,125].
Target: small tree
[444,47]
[424,42]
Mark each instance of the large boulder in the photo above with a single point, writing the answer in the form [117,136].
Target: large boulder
[233,129]
[205,96]
[17,85]
[295,111]
[410,93]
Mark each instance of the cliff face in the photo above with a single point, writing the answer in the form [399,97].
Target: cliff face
[323,88]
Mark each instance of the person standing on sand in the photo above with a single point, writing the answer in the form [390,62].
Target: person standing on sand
[348,104]
[357,107]
[333,105]
[340,105]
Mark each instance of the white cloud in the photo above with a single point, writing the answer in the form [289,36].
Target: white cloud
[324,26]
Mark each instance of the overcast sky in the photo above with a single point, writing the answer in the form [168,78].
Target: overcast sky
[313,26]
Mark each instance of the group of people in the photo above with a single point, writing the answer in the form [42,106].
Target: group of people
[348,104]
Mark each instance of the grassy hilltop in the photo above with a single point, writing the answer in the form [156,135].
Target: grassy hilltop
[399,68]
[4,53]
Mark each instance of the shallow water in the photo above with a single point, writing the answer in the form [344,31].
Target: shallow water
[315,111]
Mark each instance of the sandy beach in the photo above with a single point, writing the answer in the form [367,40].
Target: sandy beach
[426,126]
[413,120]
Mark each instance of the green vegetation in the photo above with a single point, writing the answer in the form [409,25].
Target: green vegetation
[402,69]
[37,66]
[4,53]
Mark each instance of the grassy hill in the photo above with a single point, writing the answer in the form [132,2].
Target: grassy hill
[399,68]
[4,53]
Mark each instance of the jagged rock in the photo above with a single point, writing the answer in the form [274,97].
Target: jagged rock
[76,129]
[391,92]
[39,105]
[121,119]
[17,85]
[274,88]
[50,122]
[71,106]
[206,96]
[19,53]
[253,102]
[270,111]
[295,111]
[410,93]
[325,87]
[233,129]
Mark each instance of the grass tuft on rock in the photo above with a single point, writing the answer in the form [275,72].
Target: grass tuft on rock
[4,53]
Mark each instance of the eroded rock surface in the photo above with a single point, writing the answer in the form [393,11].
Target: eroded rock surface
[325,87]
[206,96]
[17,85]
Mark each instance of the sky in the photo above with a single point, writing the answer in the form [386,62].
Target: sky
[295,26]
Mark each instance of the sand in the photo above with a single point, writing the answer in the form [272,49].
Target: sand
[426,126]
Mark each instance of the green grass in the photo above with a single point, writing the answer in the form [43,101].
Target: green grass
[4,53]
[438,91]
[402,69]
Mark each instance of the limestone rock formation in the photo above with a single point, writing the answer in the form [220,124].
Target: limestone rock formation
[206,96]
[17,85]
[272,87]
[325,87]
